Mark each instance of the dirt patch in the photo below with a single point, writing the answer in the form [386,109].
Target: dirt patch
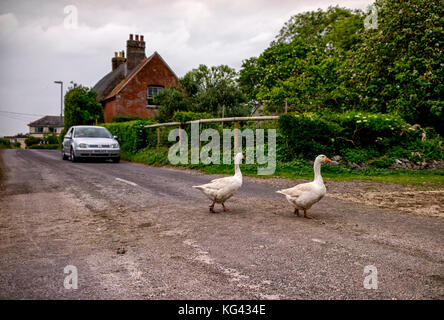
[423,203]
[412,199]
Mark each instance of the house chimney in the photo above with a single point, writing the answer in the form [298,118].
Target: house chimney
[135,51]
[117,60]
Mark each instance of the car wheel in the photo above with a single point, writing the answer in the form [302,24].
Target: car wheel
[116,160]
[64,157]
[72,156]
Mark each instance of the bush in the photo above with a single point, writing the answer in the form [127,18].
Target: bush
[132,135]
[307,135]
[382,162]
[33,141]
[48,139]
[5,144]
[81,106]
[184,116]
[126,118]
[357,136]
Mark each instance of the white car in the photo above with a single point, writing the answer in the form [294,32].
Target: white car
[90,142]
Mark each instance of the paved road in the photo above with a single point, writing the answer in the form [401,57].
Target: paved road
[138,232]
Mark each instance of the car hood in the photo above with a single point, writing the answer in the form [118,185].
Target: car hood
[98,141]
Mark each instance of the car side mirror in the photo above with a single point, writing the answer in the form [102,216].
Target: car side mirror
[67,137]
[115,137]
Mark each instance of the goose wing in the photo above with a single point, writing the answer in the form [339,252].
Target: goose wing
[298,190]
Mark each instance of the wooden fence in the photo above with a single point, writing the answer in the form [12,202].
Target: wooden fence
[233,119]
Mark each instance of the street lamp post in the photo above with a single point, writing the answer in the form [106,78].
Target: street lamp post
[61,97]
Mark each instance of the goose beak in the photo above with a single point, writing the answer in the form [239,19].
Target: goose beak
[327,159]
[245,159]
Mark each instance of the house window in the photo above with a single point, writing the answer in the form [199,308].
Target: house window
[152,91]
[52,130]
[38,129]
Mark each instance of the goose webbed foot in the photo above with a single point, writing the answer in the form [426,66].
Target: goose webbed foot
[306,215]
[225,208]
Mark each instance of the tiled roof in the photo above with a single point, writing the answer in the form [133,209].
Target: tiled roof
[136,70]
[48,121]
[122,83]
[109,81]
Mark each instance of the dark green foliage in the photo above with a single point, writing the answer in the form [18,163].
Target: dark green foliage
[170,101]
[62,134]
[308,135]
[45,146]
[184,116]
[327,60]
[81,107]
[47,139]
[382,162]
[303,64]
[126,118]
[204,90]
[132,135]
[50,138]
[398,67]
[357,137]
[336,25]
[32,141]
[6,144]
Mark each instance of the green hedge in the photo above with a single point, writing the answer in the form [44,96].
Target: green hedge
[356,136]
[184,116]
[126,118]
[44,146]
[6,144]
[32,141]
[132,135]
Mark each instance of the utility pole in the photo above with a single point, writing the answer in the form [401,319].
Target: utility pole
[61,97]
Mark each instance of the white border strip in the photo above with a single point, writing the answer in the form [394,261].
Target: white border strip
[126,181]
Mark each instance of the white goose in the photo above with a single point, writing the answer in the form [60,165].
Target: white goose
[220,190]
[304,195]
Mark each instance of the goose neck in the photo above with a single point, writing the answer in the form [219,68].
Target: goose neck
[317,172]
[237,171]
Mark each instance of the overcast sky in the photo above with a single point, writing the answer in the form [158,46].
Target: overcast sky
[39,45]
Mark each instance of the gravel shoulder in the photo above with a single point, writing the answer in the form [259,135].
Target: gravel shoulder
[153,238]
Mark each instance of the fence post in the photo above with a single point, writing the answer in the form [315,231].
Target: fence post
[180,135]
[158,136]
[236,135]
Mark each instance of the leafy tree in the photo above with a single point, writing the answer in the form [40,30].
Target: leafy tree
[335,26]
[302,65]
[81,107]
[171,100]
[399,66]
[204,89]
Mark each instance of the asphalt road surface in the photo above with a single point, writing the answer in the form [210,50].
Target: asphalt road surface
[137,232]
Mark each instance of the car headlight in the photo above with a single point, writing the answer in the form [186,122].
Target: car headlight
[83,145]
[115,145]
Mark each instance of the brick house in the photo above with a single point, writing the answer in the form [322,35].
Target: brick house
[129,88]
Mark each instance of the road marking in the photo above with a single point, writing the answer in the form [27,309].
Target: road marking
[318,240]
[126,181]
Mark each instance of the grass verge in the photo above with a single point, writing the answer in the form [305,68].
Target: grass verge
[301,169]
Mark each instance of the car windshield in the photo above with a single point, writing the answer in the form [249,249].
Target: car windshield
[92,132]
